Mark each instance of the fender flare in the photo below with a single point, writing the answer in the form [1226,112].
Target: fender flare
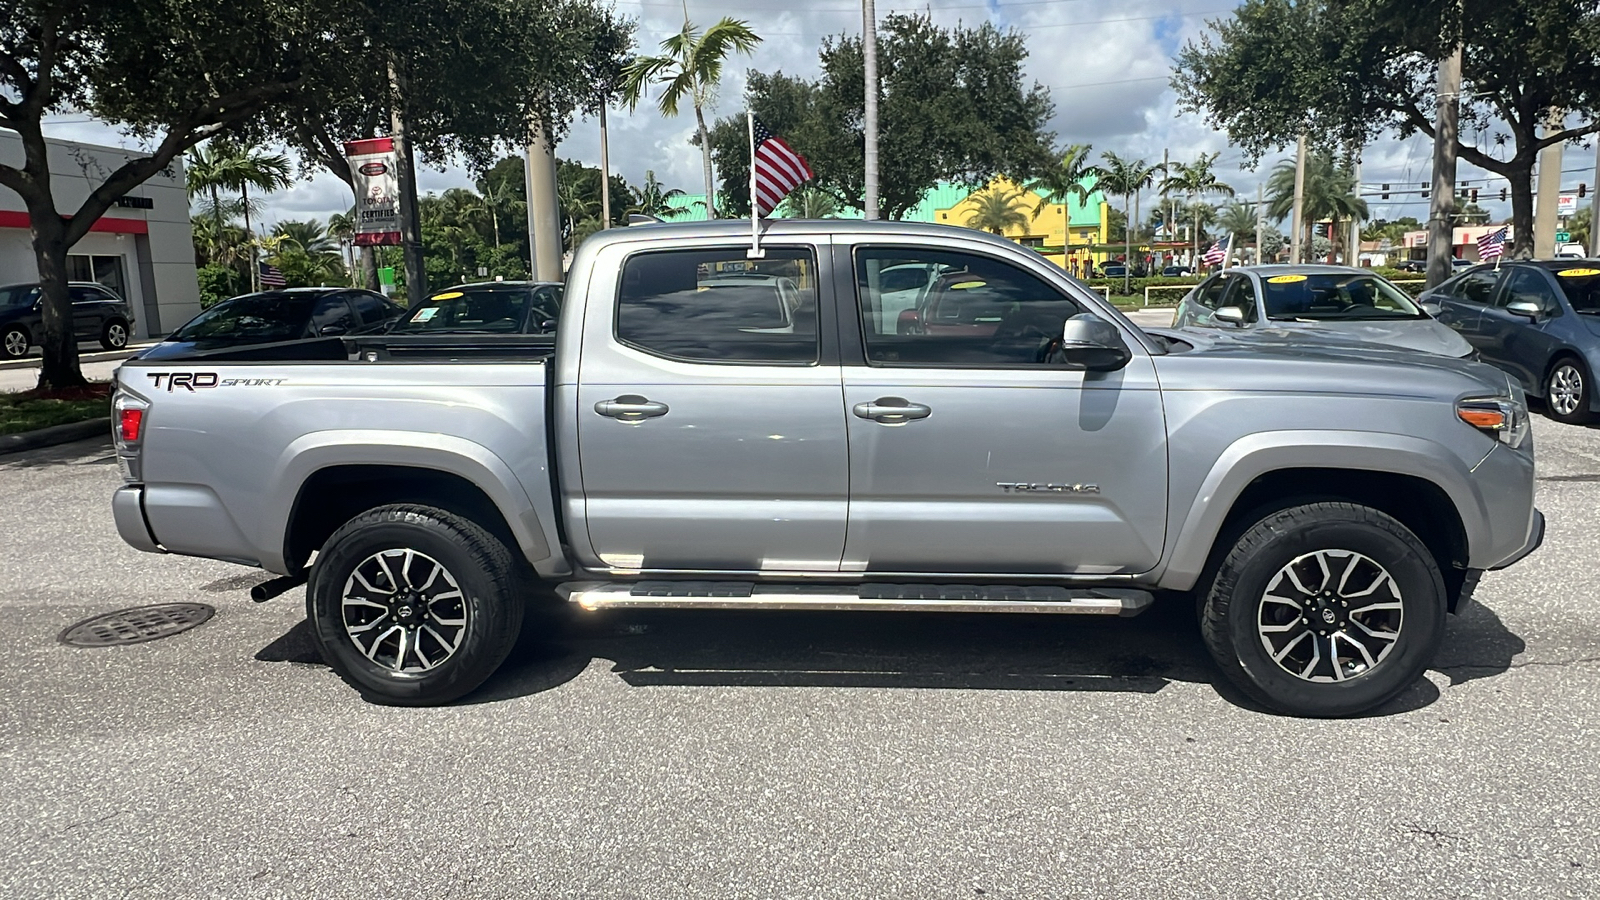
[1258,454]
[530,526]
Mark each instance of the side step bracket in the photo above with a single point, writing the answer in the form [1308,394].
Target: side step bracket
[1008,598]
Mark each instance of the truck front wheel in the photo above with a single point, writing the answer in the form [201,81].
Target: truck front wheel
[413,605]
[1326,609]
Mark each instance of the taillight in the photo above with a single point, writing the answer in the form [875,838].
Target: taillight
[130,422]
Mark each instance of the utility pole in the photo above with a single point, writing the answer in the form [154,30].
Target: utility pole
[869,125]
[406,174]
[1442,208]
[1549,197]
[605,170]
[1594,205]
[1299,198]
[1261,221]
[1352,256]
[1166,201]
[544,220]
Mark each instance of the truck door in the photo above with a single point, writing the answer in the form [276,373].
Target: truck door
[971,451]
[710,433]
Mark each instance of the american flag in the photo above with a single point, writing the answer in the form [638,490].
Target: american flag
[1216,255]
[1491,245]
[778,170]
[271,276]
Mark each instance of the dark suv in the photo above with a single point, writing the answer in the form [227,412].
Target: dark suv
[97,314]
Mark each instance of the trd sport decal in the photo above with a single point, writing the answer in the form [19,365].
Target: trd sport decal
[192,381]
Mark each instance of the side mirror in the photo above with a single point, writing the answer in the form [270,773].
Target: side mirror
[1526,308]
[1232,315]
[1093,343]
[547,326]
[1432,308]
[908,322]
[332,330]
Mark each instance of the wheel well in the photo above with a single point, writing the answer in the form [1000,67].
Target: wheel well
[337,494]
[1416,503]
[1555,358]
[18,326]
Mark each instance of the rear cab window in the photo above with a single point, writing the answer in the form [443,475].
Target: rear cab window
[714,305]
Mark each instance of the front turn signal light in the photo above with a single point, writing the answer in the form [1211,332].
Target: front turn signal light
[1487,419]
[1503,419]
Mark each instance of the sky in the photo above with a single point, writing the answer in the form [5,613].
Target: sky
[1106,65]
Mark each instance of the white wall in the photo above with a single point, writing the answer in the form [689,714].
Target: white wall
[170,295]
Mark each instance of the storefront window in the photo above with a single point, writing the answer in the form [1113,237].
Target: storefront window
[106,270]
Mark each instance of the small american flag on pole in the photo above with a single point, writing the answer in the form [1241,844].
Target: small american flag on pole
[1491,245]
[1215,255]
[775,169]
[271,276]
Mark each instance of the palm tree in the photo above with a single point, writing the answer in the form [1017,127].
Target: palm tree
[689,67]
[1330,193]
[1070,175]
[1238,217]
[655,199]
[235,168]
[1196,181]
[1126,178]
[996,210]
[810,202]
[310,235]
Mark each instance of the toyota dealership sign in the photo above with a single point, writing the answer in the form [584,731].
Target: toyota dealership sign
[377,187]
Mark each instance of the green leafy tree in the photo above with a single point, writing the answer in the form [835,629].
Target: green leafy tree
[1070,176]
[1196,181]
[1330,194]
[997,209]
[809,202]
[225,165]
[1346,72]
[1238,218]
[307,254]
[655,198]
[1125,178]
[689,68]
[954,107]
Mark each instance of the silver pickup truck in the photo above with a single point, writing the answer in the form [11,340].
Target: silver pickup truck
[869,416]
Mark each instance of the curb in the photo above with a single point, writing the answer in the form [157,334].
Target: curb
[55,434]
[34,362]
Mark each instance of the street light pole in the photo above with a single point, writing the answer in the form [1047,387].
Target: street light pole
[1441,211]
[869,125]
[1299,198]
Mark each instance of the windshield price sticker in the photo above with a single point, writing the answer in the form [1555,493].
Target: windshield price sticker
[1578,273]
[424,315]
[1285,279]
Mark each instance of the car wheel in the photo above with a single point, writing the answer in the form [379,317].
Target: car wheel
[1327,609]
[15,342]
[1567,391]
[114,336]
[415,606]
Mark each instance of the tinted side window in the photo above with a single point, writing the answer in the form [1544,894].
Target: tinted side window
[1475,287]
[1241,293]
[82,294]
[373,309]
[978,311]
[1528,285]
[1210,294]
[332,312]
[714,305]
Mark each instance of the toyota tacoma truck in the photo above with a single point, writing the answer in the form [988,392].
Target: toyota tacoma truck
[809,428]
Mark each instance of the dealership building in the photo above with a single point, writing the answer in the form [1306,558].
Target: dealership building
[141,248]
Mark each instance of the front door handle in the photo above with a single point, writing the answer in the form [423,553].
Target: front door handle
[630,408]
[891,410]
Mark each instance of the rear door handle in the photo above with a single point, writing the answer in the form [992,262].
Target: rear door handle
[630,408]
[891,410]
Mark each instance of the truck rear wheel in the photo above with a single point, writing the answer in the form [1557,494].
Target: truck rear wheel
[1326,609]
[414,606]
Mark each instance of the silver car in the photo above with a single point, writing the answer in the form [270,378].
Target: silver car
[1335,303]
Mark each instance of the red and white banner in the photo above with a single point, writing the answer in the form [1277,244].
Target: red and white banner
[377,187]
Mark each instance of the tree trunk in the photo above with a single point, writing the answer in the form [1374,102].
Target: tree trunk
[249,238]
[59,343]
[369,269]
[705,153]
[1521,178]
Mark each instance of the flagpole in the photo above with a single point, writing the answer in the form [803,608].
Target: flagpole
[1227,255]
[755,214]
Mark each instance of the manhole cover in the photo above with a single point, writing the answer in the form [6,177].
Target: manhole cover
[137,625]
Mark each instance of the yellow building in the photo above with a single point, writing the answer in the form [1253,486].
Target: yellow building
[1065,233]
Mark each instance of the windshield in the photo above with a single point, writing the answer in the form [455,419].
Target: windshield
[1582,287]
[252,319]
[18,295]
[1336,295]
[483,309]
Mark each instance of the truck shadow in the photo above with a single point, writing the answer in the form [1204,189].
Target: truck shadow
[899,650]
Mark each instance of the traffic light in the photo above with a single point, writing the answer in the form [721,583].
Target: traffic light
[1474,195]
[1502,195]
[1386,192]
[1582,189]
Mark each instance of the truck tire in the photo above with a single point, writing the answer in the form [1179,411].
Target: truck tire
[413,605]
[1323,610]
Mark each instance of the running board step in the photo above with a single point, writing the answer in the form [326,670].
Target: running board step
[1008,598]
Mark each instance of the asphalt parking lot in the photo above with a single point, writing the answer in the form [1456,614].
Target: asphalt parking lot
[808,756]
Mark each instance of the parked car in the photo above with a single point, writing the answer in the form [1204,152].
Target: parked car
[674,451]
[1316,301]
[1537,320]
[269,317]
[97,314]
[1113,270]
[1418,266]
[1176,271]
[491,307]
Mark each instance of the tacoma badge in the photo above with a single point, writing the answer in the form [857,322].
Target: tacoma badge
[1021,487]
